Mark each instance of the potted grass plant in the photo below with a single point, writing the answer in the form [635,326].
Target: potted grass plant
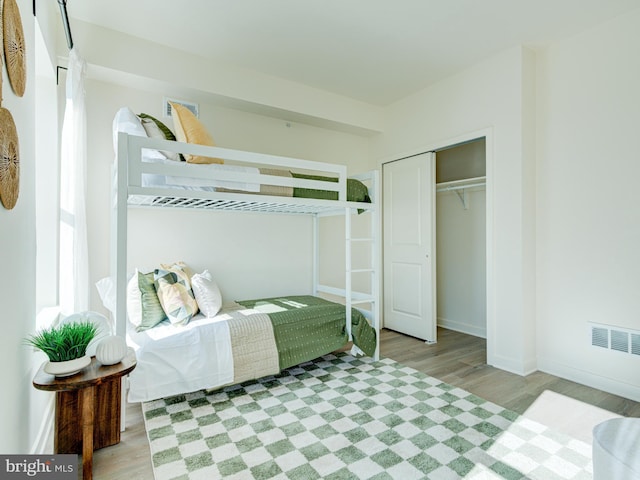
[65,345]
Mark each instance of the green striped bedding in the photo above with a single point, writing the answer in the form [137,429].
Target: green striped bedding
[356,190]
[306,327]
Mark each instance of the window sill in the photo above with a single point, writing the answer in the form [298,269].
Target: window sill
[47,317]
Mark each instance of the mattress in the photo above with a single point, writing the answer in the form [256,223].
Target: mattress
[252,339]
[356,190]
[170,359]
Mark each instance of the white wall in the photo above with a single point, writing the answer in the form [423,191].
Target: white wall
[487,99]
[17,256]
[588,220]
[460,262]
[250,255]
[151,66]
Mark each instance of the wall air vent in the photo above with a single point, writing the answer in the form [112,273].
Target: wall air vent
[166,108]
[635,343]
[619,341]
[600,337]
[615,338]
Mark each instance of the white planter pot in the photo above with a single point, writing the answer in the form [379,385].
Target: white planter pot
[67,368]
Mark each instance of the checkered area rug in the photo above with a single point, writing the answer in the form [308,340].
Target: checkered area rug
[341,417]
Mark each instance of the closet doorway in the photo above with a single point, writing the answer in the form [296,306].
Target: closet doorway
[461,249]
[453,294]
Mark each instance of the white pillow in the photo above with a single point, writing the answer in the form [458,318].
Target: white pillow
[134,301]
[128,122]
[107,292]
[207,293]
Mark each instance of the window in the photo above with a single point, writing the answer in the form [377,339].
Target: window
[47,182]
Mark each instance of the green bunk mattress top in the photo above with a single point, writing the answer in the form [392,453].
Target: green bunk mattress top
[356,190]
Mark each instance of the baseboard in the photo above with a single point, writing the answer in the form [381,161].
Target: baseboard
[45,433]
[462,327]
[609,385]
[522,368]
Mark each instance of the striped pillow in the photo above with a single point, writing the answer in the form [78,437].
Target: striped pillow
[166,132]
[156,129]
[150,310]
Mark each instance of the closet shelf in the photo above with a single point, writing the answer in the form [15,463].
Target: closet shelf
[461,184]
[460,187]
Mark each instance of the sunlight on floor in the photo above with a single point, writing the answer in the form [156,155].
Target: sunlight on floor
[552,439]
[567,415]
[537,452]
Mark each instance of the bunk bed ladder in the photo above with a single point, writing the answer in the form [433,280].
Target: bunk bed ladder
[352,298]
[348,268]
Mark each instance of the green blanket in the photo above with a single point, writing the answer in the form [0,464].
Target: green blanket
[356,190]
[306,327]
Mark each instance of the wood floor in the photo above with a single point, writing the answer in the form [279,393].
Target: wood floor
[457,359]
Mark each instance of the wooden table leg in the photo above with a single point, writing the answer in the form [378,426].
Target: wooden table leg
[88,398]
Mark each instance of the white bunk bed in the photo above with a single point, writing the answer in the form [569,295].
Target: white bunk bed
[139,182]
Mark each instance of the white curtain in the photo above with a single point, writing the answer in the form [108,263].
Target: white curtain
[74,257]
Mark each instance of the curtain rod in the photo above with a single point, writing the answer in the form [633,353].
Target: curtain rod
[65,22]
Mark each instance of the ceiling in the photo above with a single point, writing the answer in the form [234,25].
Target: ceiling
[376,51]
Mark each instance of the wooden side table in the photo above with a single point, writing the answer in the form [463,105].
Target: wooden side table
[88,406]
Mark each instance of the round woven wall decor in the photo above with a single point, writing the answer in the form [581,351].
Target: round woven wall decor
[9,160]
[1,49]
[14,51]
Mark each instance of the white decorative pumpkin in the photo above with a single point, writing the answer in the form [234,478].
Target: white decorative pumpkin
[111,350]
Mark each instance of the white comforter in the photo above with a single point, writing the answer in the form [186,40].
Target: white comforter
[170,358]
[195,182]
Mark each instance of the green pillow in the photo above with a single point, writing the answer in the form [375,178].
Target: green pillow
[152,312]
[166,133]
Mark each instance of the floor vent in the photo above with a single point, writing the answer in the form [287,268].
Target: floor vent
[615,338]
[193,107]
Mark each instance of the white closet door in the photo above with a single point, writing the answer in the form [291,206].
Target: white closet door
[409,246]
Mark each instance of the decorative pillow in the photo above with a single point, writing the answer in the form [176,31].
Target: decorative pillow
[179,268]
[207,293]
[175,295]
[134,301]
[156,129]
[151,311]
[128,122]
[166,132]
[190,130]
